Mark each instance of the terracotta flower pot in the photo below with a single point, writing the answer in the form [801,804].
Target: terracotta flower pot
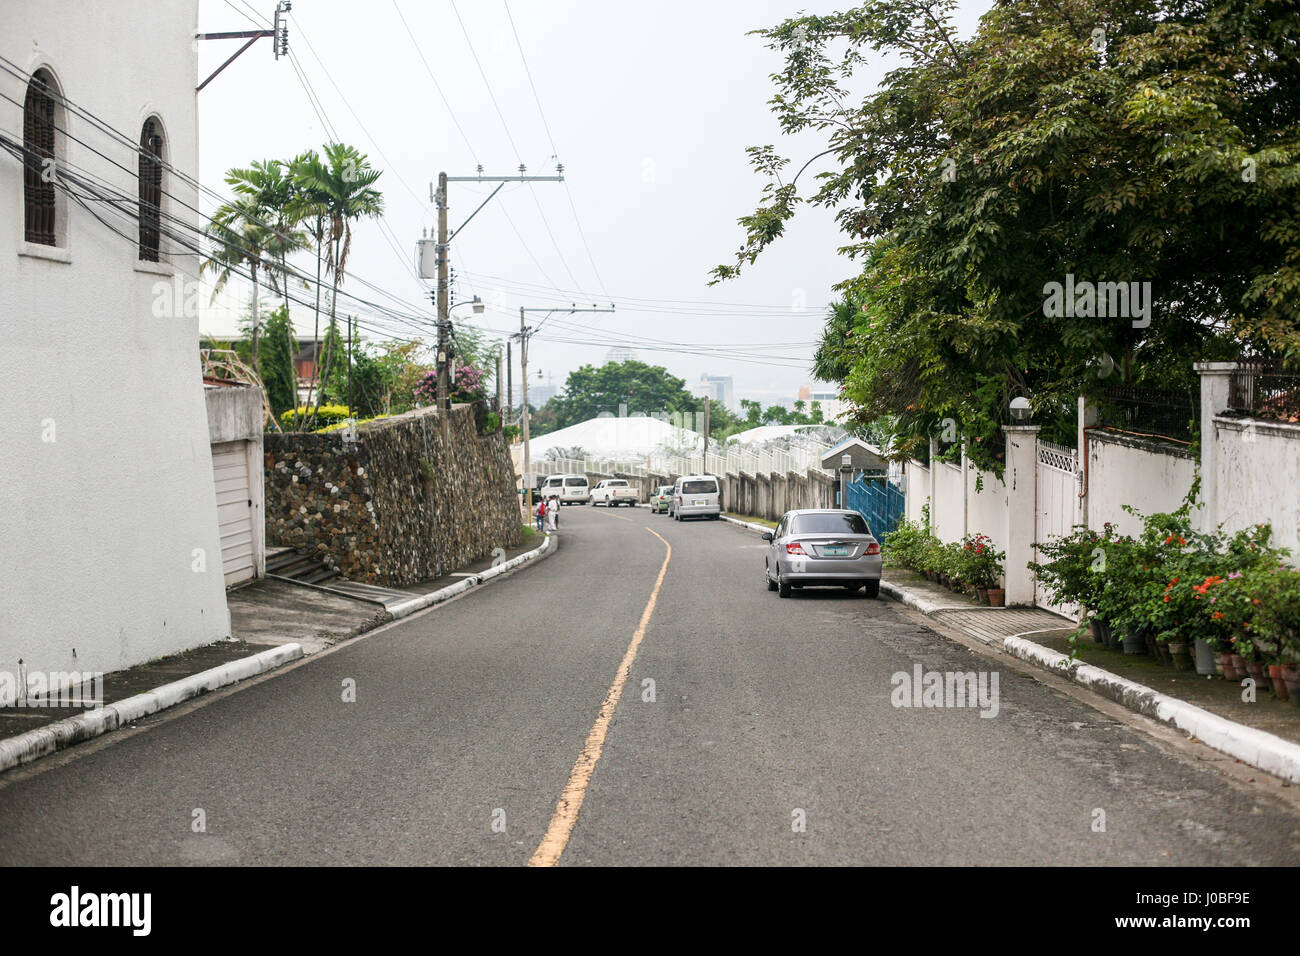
[997,597]
[1275,678]
[1291,676]
[982,595]
[1222,666]
[1257,672]
[1238,665]
[1181,656]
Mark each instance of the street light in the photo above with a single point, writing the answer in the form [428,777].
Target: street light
[1020,410]
[846,469]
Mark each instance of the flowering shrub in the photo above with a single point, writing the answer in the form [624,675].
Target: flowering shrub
[467,386]
[979,563]
[1181,584]
[325,415]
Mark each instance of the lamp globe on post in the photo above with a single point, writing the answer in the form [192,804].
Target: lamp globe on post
[1020,411]
[846,469]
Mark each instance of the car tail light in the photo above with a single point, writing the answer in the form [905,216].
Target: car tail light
[872,548]
[795,548]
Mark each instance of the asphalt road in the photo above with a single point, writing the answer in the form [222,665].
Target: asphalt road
[771,739]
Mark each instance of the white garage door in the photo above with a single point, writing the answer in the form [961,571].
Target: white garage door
[234,510]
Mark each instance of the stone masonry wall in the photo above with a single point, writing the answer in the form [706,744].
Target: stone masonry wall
[402,506]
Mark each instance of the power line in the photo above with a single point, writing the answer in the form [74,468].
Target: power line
[551,139]
[509,136]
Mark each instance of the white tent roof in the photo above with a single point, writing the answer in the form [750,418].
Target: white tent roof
[616,437]
[768,432]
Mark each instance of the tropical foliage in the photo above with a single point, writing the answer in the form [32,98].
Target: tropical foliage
[1141,141]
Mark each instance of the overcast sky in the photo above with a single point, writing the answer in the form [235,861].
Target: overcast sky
[649,107]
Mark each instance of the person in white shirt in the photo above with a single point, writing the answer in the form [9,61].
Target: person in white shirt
[552,508]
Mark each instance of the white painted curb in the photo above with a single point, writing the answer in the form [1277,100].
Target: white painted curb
[919,603]
[94,723]
[760,528]
[420,602]
[1259,748]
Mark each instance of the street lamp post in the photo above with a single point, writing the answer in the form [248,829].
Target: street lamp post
[846,469]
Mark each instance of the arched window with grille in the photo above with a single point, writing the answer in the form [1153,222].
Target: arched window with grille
[151,192]
[39,197]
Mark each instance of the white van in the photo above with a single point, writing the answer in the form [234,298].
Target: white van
[695,496]
[575,491]
[550,487]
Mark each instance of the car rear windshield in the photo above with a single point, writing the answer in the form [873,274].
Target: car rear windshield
[699,487]
[616,484]
[843,523]
[575,481]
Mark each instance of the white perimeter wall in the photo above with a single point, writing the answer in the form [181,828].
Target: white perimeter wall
[1258,478]
[1123,471]
[103,526]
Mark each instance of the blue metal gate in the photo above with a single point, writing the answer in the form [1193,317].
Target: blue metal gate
[879,500]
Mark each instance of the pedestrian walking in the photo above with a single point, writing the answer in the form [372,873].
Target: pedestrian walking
[539,512]
[552,511]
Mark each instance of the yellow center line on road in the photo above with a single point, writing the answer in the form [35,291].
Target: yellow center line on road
[557,834]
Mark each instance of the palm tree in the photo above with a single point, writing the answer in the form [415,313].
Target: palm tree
[238,239]
[332,194]
[267,185]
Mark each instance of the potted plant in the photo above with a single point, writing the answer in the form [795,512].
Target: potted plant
[1179,652]
[982,567]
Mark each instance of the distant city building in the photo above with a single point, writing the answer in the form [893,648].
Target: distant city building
[539,394]
[717,388]
[828,396]
[620,355]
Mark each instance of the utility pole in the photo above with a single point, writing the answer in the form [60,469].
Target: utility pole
[443,258]
[524,333]
[510,384]
[705,469]
[444,372]
[501,408]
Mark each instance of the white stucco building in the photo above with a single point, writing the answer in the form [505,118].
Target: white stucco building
[109,550]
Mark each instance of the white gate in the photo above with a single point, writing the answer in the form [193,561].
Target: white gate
[1059,508]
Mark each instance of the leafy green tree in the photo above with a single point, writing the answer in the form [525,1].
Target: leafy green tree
[333,360]
[644,389]
[543,420]
[1141,141]
[276,365]
[753,412]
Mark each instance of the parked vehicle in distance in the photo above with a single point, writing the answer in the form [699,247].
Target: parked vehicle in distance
[661,498]
[695,496]
[549,486]
[613,492]
[575,490]
[830,547]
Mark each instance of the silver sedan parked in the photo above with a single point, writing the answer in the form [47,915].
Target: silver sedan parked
[822,548]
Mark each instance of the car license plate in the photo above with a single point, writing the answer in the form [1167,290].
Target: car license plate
[836,552]
[701,501]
